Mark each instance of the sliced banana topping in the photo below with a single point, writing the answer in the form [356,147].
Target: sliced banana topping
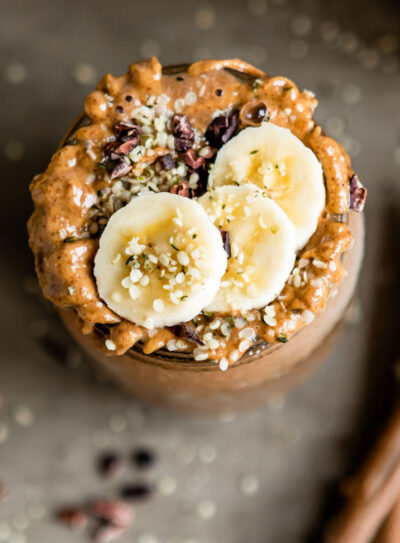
[279,163]
[160,260]
[262,246]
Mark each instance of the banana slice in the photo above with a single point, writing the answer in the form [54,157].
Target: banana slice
[278,162]
[160,260]
[262,244]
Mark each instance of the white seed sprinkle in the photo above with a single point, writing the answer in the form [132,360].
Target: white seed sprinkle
[270,321]
[134,292]
[247,333]
[110,345]
[307,316]
[183,258]
[200,356]
[316,282]
[223,364]
[269,310]
[303,262]
[234,356]
[215,324]
[171,345]
[319,264]
[244,345]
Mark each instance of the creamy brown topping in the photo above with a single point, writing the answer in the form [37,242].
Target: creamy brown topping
[78,192]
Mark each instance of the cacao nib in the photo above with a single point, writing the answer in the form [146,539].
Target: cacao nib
[126,128]
[143,458]
[358,194]
[136,491]
[183,132]
[192,160]
[121,168]
[116,512]
[186,331]
[107,533]
[109,464]
[73,517]
[168,162]
[117,149]
[182,189]
[221,129]
[226,242]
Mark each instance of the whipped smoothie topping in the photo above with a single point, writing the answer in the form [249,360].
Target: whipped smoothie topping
[197,208]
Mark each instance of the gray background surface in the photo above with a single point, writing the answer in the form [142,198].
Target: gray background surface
[260,477]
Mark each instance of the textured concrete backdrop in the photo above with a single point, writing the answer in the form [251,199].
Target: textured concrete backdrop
[263,477]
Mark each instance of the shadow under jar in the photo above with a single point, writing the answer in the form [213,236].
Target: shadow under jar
[175,380]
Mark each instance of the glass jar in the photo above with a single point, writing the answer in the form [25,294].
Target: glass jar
[175,380]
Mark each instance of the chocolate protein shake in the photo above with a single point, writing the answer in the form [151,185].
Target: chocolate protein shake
[198,231]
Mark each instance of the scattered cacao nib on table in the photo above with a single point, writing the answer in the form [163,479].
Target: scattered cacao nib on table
[358,194]
[136,491]
[110,518]
[116,512]
[143,458]
[75,518]
[110,464]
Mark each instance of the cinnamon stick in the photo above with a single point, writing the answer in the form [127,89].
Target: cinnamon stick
[374,491]
[391,529]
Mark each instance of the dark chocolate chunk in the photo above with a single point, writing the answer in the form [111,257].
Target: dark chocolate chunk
[221,129]
[168,162]
[186,331]
[136,491]
[109,464]
[128,98]
[219,92]
[143,458]
[226,242]
[120,109]
[121,168]
[358,194]
[183,132]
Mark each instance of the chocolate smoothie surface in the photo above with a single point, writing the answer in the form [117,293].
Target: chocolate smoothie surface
[110,157]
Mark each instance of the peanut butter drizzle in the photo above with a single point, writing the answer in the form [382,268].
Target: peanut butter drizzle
[66,191]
